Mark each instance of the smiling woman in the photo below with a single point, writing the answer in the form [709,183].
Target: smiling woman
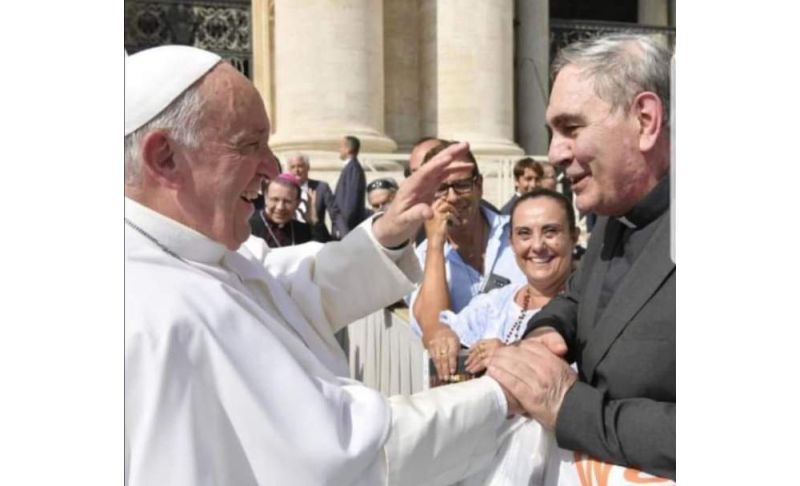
[543,236]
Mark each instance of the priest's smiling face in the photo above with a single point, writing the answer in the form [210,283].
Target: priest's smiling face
[226,168]
[598,146]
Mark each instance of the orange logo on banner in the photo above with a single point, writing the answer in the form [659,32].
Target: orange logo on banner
[592,472]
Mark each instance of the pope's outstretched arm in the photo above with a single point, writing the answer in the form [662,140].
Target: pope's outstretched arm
[374,265]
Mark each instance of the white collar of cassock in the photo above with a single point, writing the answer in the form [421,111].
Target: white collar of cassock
[184,241]
[627,222]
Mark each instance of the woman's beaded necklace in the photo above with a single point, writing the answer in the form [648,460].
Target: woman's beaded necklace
[515,327]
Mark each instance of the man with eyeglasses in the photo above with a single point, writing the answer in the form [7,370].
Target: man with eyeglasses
[467,252]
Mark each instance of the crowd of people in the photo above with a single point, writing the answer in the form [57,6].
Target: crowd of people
[234,367]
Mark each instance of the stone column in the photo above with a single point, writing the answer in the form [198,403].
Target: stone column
[329,74]
[532,68]
[475,75]
[401,71]
[263,54]
[428,69]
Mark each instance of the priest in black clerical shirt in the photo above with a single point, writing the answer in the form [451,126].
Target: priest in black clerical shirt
[276,223]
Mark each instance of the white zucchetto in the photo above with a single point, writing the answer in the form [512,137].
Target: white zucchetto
[155,77]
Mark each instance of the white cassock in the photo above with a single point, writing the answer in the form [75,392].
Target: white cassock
[233,375]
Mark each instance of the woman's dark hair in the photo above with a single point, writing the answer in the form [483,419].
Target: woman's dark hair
[446,143]
[562,201]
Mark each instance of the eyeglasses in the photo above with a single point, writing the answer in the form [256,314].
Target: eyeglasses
[462,187]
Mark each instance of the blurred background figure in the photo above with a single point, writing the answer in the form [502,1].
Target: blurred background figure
[380,193]
[317,191]
[528,175]
[276,223]
[350,188]
[549,179]
[418,151]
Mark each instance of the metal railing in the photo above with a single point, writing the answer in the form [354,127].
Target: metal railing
[223,27]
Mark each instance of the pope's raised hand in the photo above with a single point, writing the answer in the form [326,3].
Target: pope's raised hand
[412,203]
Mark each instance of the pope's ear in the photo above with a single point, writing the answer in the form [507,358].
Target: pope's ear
[158,159]
[649,112]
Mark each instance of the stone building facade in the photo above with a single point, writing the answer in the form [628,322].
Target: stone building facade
[392,71]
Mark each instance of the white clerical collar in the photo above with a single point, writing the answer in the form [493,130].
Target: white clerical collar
[627,222]
[182,240]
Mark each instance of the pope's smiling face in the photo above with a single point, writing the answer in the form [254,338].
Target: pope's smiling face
[226,168]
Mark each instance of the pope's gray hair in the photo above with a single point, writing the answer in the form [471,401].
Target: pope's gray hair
[621,66]
[180,118]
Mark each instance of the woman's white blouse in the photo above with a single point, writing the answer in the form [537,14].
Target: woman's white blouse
[489,315]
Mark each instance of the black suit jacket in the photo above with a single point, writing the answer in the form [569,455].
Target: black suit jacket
[351,190]
[622,409]
[303,232]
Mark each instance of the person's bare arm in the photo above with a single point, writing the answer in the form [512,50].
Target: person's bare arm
[433,297]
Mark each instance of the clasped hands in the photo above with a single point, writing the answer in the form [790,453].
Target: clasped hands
[534,375]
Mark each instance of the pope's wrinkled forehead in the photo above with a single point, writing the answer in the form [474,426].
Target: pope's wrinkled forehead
[156,77]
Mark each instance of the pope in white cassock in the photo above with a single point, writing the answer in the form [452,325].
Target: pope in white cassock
[232,372]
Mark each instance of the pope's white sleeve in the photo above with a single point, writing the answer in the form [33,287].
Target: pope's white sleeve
[445,434]
[350,278]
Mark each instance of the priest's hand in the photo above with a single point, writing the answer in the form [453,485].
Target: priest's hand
[536,377]
[443,345]
[412,203]
[551,339]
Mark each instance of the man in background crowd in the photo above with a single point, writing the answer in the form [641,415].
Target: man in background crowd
[549,179]
[314,193]
[527,176]
[350,188]
[380,193]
